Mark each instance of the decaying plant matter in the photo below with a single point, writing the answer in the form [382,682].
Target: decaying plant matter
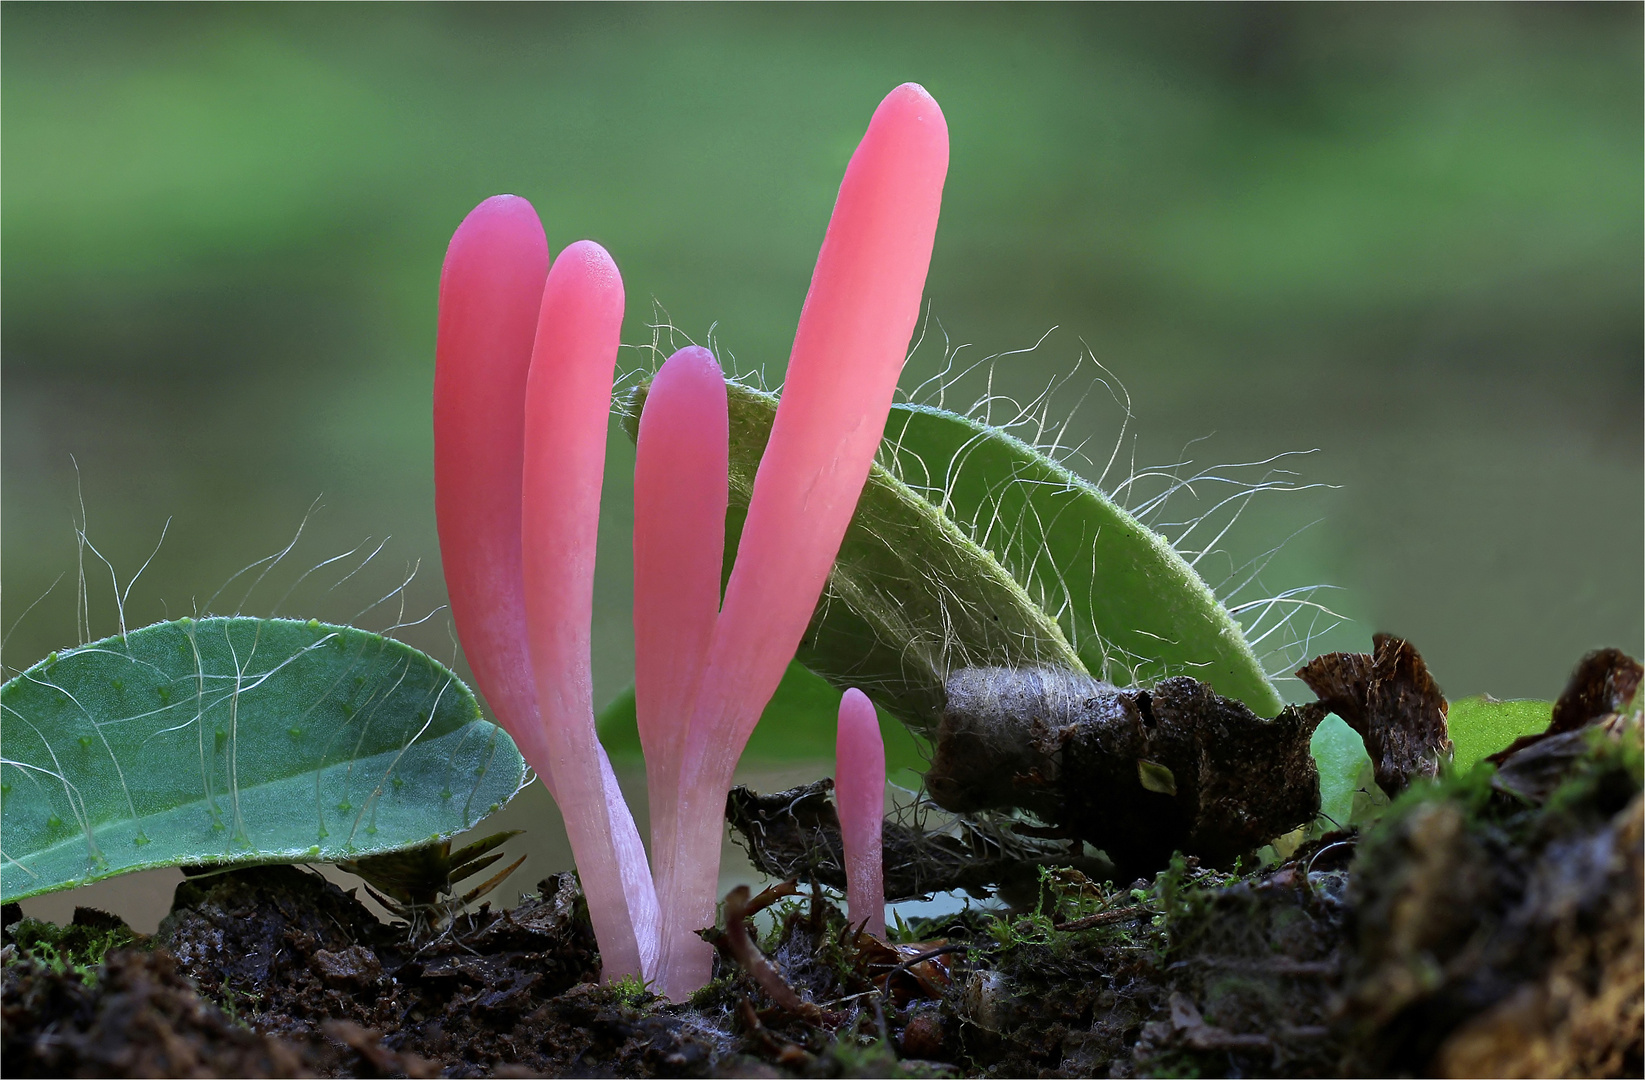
[1500,927]
[418,886]
[1137,773]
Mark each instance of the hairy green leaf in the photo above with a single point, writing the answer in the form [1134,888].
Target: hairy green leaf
[910,597]
[1133,608]
[236,741]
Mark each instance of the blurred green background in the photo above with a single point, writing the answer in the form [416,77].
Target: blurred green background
[1407,236]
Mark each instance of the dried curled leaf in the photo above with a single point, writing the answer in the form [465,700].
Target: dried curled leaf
[1603,683]
[1389,697]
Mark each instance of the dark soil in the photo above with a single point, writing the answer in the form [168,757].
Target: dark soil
[1491,924]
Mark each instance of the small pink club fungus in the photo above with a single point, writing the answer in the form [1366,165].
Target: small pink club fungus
[680,493]
[567,408]
[859,792]
[853,336]
[491,296]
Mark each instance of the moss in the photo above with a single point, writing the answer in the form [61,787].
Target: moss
[717,994]
[1606,779]
[630,992]
[78,948]
[851,1055]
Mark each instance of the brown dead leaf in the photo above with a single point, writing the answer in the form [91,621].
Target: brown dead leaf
[1602,684]
[1390,698]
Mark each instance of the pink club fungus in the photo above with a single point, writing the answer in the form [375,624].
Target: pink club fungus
[491,299]
[491,290]
[853,335]
[567,407]
[859,792]
[680,495]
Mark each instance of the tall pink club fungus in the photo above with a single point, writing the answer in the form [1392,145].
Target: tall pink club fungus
[849,349]
[680,491]
[491,293]
[859,792]
[567,406]
[491,290]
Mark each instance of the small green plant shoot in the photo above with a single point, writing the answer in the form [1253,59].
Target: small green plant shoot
[235,741]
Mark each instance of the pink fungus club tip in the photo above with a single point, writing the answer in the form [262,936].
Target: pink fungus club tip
[852,339]
[680,493]
[859,792]
[567,405]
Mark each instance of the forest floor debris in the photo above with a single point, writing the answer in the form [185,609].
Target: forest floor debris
[1486,924]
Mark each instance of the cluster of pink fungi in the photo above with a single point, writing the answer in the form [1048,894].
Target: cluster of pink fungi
[526,356]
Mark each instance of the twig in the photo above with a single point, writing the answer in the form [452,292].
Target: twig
[770,895]
[754,962]
[1101,918]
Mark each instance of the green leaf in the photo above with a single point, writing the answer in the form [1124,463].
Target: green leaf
[1480,726]
[1134,610]
[1156,777]
[1344,768]
[799,725]
[234,741]
[910,597]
